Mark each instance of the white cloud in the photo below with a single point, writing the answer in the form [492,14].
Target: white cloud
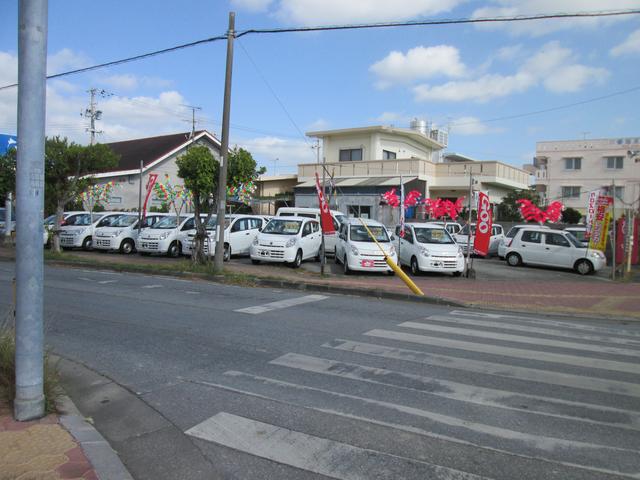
[277,154]
[553,67]
[329,12]
[630,46]
[129,82]
[471,126]
[318,125]
[418,63]
[253,6]
[502,8]
[66,59]
[391,118]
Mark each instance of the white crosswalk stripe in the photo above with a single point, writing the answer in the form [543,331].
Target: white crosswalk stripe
[290,302]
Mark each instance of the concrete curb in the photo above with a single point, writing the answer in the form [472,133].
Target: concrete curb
[104,459]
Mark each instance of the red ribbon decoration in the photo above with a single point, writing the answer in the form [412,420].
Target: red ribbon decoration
[531,213]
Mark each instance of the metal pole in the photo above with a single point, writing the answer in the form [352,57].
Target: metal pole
[613,233]
[222,179]
[32,68]
[466,264]
[323,257]
[140,199]
[7,219]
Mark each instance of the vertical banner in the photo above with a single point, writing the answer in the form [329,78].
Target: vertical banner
[152,181]
[484,223]
[600,223]
[325,214]
[592,202]
[401,233]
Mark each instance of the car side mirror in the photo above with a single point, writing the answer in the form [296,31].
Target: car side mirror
[259,229]
[393,238]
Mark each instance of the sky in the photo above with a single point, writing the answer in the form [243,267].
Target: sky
[465,78]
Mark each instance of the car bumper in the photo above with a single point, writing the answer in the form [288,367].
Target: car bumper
[153,246]
[272,254]
[71,241]
[441,264]
[370,263]
[105,243]
[598,263]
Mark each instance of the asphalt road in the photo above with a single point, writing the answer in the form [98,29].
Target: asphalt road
[199,380]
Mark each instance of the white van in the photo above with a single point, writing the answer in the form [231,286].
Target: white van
[356,250]
[330,240]
[239,233]
[429,247]
[78,229]
[123,232]
[163,236]
[288,240]
[497,236]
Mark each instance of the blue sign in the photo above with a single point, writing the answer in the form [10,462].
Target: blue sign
[7,142]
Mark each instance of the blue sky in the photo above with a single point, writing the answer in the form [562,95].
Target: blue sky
[283,84]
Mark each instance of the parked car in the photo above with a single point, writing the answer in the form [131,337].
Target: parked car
[239,233]
[553,248]
[429,247]
[497,234]
[163,236]
[356,250]
[123,232]
[506,241]
[330,240]
[580,232]
[452,227]
[289,240]
[78,229]
[50,221]
[3,220]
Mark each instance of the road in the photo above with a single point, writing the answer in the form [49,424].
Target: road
[200,380]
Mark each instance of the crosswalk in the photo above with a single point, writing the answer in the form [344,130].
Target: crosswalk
[463,395]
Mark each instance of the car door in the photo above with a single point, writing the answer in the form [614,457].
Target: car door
[315,238]
[557,250]
[240,235]
[407,243]
[305,239]
[497,234]
[340,241]
[529,246]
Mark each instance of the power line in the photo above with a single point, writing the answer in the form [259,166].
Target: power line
[518,18]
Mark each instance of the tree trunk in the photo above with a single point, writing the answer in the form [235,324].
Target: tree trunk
[55,232]
[197,252]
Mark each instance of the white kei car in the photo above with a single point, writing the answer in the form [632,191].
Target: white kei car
[497,235]
[78,229]
[123,232]
[429,247]
[330,239]
[239,233]
[163,236]
[356,250]
[508,238]
[290,240]
[553,248]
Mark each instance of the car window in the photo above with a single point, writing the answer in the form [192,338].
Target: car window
[579,234]
[315,227]
[359,233]
[556,239]
[286,214]
[306,230]
[107,221]
[531,236]
[307,215]
[254,223]
[189,224]
[512,232]
[497,231]
[240,225]
[408,234]
[283,227]
[336,224]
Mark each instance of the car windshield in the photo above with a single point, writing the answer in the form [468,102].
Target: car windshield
[360,234]
[512,232]
[167,223]
[50,220]
[283,227]
[107,221]
[581,235]
[433,235]
[576,243]
[124,221]
[465,230]
[339,218]
[82,219]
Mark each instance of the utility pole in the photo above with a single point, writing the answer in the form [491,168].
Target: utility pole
[222,179]
[613,232]
[193,119]
[32,73]
[140,198]
[468,271]
[7,219]
[93,114]
[323,258]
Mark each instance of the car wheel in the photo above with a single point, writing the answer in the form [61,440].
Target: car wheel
[174,250]
[457,274]
[226,256]
[298,260]
[514,260]
[345,266]
[415,269]
[87,243]
[127,247]
[583,267]
[255,262]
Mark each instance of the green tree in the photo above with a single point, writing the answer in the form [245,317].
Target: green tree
[242,167]
[7,174]
[571,215]
[199,171]
[508,209]
[68,169]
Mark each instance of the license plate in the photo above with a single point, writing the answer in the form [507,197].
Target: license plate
[264,253]
[367,263]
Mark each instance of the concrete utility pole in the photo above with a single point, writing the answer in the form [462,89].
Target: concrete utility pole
[32,72]
[93,114]
[614,231]
[222,179]
[468,270]
[7,219]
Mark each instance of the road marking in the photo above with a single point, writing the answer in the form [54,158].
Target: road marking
[191,292]
[152,286]
[536,355]
[104,282]
[290,302]
[533,329]
[469,332]
[319,455]
[550,377]
[85,279]
[537,405]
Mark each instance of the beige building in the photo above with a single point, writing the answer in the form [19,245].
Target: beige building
[568,170]
[273,192]
[367,162]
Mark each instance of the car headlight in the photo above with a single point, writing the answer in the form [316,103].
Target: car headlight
[597,254]
[424,252]
[255,241]
[164,235]
[354,250]
[291,242]
[117,233]
[392,250]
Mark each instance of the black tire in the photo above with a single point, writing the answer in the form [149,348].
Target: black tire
[145,254]
[415,268]
[457,274]
[87,243]
[298,260]
[345,266]
[514,259]
[583,266]
[391,273]
[175,250]
[255,262]
[335,258]
[127,246]
[226,256]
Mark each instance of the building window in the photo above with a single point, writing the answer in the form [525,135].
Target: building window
[387,155]
[615,163]
[114,200]
[619,191]
[363,211]
[570,192]
[573,163]
[351,155]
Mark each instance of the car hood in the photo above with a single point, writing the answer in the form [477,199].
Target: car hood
[371,248]
[274,240]
[441,249]
[73,228]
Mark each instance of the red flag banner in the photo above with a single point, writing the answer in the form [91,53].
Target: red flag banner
[152,181]
[483,225]
[325,215]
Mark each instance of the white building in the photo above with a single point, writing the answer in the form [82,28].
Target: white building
[568,170]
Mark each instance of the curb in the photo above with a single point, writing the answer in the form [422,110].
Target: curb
[104,459]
